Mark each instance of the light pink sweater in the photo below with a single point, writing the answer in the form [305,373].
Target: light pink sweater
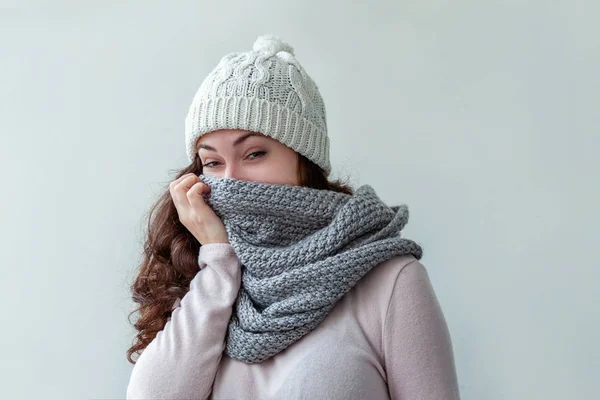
[386,338]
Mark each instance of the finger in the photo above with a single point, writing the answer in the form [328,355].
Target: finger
[179,190]
[178,180]
[194,195]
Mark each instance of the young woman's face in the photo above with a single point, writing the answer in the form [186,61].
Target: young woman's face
[246,155]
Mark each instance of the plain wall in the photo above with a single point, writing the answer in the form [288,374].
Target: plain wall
[481,116]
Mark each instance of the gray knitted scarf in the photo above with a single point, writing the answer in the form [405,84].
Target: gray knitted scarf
[301,250]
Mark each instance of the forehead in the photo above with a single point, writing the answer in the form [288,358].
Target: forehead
[230,136]
[228,133]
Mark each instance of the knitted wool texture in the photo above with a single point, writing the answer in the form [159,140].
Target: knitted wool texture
[265,90]
[301,250]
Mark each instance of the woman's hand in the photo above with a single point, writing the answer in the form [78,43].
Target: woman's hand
[194,213]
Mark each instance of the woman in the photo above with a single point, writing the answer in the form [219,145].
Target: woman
[261,278]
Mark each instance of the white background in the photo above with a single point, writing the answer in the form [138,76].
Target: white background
[481,116]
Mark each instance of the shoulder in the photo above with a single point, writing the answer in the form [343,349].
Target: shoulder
[404,288]
[384,277]
[369,300]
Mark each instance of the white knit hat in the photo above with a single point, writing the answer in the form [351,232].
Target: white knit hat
[264,90]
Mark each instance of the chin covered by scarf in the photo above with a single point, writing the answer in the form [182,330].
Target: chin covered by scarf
[301,250]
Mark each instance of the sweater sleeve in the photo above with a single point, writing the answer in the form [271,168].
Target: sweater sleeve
[417,347]
[182,360]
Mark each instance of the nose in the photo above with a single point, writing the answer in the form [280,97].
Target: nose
[232,171]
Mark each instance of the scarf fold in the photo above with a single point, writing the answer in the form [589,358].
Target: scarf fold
[301,250]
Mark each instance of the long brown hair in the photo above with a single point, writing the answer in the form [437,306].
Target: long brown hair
[169,258]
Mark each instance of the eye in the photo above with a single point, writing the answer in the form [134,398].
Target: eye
[259,154]
[251,156]
[208,165]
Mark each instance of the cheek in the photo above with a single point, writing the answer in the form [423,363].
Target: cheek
[281,169]
[289,169]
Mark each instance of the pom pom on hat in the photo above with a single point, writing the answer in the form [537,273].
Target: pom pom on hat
[272,44]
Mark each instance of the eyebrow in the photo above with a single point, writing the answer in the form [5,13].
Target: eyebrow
[237,141]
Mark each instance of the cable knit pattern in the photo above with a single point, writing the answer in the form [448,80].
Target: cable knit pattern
[301,250]
[265,90]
